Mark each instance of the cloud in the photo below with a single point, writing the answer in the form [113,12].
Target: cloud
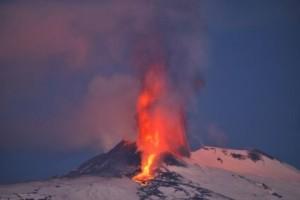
[72,38]
[68,74]
[107,113]
[36,35]
[102,118]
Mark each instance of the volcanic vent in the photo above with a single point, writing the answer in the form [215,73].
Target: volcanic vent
[122,160]
[161,132]
[160,122]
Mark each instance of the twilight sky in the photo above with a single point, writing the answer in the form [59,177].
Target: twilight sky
[69,77]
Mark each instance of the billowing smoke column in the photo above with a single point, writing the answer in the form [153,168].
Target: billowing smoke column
[160,114]
[83,56]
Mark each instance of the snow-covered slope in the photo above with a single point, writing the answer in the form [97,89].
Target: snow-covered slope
[253,162]
[82,188]
[210,173]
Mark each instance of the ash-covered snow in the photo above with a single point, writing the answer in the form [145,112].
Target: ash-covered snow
[210,173]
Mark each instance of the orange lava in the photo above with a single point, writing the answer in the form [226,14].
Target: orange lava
[160,123]
[146,174]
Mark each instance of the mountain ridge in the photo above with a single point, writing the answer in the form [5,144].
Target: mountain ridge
[210,173]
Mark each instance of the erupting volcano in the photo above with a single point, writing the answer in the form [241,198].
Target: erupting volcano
[160,120]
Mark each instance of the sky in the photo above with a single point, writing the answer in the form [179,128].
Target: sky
[70,78]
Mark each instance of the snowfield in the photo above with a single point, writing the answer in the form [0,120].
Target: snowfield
[78,188]
[251,162]
[210,173]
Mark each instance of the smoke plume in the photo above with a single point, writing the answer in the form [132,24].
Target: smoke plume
[71,72]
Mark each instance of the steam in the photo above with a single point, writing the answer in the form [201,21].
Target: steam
[92,49]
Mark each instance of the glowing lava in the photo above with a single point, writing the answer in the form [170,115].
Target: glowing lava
[160,123]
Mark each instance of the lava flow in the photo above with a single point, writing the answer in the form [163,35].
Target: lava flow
[160,123]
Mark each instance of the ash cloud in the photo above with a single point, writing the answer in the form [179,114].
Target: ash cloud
[68,72]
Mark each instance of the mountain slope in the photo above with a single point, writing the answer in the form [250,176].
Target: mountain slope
[210,173]
[252,162]
[123,159]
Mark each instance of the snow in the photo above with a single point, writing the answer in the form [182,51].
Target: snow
[238,186]
[266,167]
[210,173]
[75,189]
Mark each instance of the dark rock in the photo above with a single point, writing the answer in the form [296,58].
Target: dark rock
[175,183]
[238,156]
[257,151]
[254,156]
[123,160]
[220,160]
[170,159]
[277,195]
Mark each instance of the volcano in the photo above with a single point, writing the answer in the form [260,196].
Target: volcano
[209,173]
[123,160]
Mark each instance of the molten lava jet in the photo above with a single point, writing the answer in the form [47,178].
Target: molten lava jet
[160,123]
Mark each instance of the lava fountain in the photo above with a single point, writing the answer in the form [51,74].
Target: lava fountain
[160,118]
